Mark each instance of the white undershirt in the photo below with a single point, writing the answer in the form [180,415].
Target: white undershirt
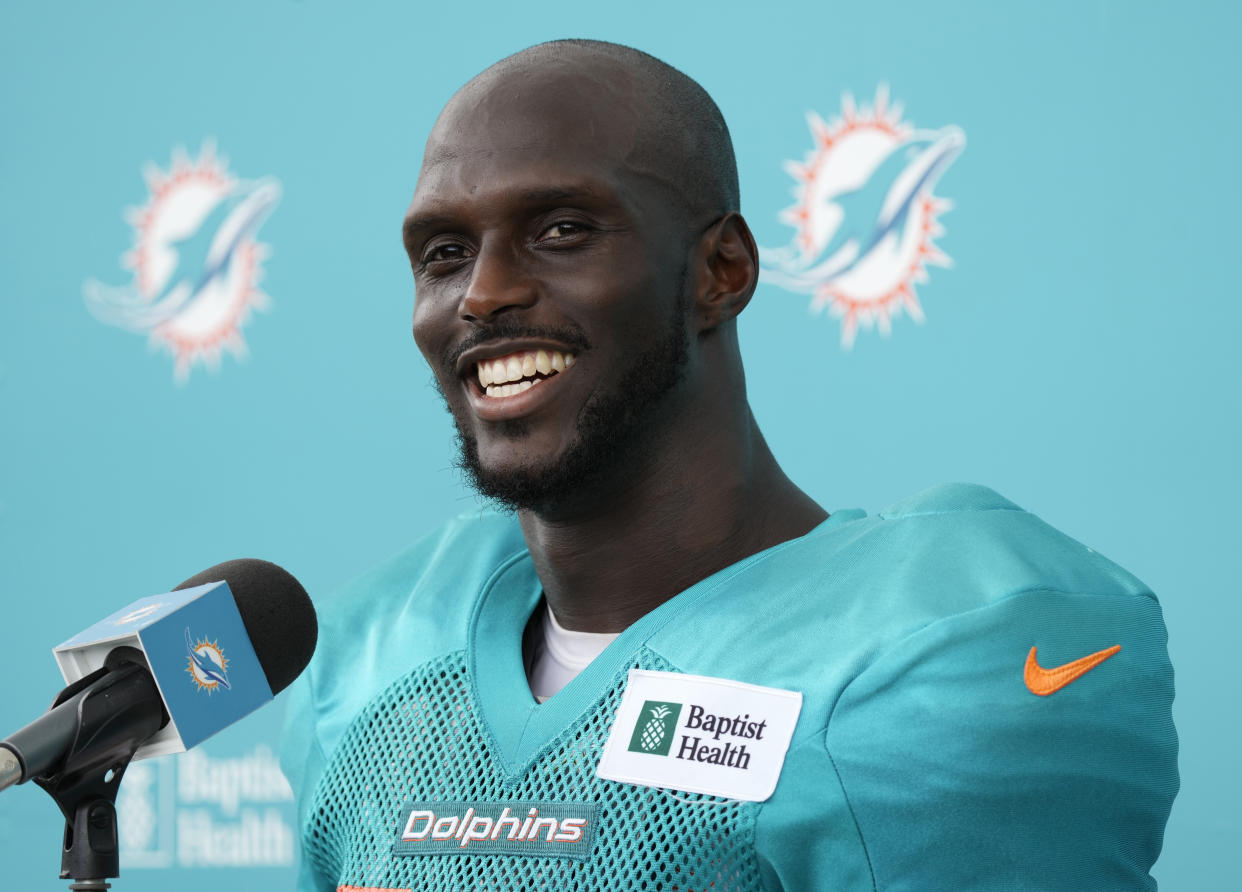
[560,654]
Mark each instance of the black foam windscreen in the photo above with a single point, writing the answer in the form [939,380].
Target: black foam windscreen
[277,613]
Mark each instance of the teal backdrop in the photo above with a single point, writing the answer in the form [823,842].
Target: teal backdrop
[1079,355]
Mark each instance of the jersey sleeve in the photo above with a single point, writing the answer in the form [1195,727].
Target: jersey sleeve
[956,776]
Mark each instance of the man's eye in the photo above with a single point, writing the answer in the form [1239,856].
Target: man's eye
[562,229]
[443,252]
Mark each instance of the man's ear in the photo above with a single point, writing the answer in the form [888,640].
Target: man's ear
[728,271]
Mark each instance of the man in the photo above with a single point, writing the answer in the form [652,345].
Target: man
[668,667]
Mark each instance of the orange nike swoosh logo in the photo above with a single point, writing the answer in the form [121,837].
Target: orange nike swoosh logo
[1043,681]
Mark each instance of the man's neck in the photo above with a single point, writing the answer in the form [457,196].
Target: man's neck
[674,523]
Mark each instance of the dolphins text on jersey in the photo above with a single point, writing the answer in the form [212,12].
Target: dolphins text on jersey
[536,829]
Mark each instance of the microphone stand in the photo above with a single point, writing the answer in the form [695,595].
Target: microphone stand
[114,711]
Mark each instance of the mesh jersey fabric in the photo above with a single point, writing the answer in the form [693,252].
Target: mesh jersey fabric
[701,842]
[920,760]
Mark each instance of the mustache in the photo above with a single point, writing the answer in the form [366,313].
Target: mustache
[504,330]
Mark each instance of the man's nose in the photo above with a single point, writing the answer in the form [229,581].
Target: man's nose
[498,283]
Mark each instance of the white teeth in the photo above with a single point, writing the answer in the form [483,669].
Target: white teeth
[498,390]
[512,374]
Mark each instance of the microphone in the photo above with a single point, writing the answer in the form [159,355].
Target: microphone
[158,676]
[168,671]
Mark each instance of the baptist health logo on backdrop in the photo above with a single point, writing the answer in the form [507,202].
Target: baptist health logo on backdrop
[865,217]
[195,260]
[196,810]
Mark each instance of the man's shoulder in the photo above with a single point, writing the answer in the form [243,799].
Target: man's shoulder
[456,558]
[977,540]
[950,548]
[411,608]
[831,602]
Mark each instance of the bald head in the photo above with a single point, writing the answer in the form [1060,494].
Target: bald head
[660,124]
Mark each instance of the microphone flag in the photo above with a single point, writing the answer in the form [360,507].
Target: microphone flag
[198,651]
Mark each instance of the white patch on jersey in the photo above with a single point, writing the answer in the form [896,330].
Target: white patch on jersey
[700,735]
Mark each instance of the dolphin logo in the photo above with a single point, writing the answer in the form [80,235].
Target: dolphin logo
[866,217]
[871,213]
[202,259]
[206,671]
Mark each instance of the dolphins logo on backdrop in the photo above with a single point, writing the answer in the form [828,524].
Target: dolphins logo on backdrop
[195,260]
[865,216]
[208,665]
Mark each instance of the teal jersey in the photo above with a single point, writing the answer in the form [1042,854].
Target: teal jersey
[984,704]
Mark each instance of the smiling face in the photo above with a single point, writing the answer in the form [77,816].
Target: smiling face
[550,258]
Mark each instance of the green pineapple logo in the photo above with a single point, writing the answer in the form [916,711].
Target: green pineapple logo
[653,733]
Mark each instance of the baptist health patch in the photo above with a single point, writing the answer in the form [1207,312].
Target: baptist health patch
[536,829]
[700,735]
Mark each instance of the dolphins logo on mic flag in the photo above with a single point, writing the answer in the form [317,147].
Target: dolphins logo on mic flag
[195,259]
[865,216]
[208,665]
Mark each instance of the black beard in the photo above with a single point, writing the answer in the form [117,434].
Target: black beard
[610,427]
